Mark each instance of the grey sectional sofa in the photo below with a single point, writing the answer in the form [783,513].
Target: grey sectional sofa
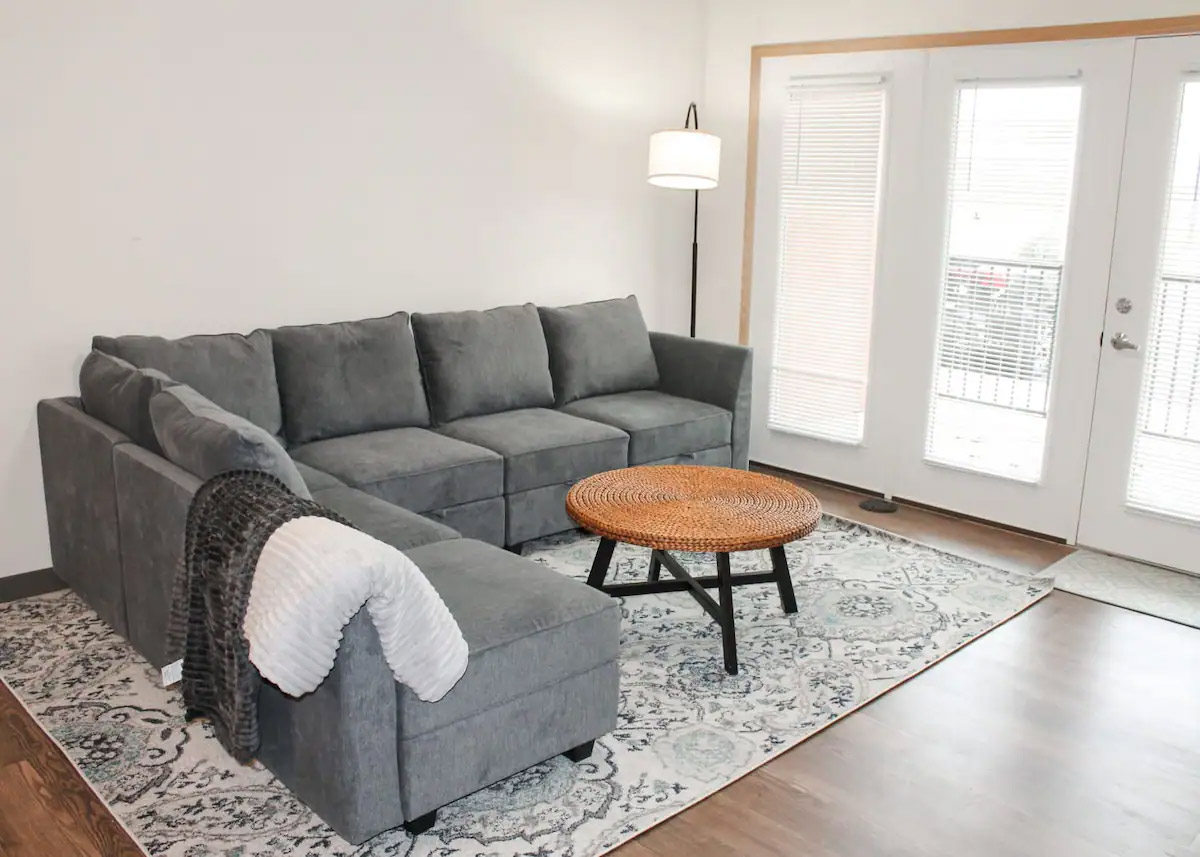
[447,437]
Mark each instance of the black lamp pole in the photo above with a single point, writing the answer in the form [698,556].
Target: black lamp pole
[693,113]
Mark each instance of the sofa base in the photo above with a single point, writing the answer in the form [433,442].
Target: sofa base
[479,519]
[581,751]
[422,824]
[81,511]
[543,511]
[536,513]
[496,743]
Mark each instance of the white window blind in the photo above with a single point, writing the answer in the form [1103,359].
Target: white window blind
[833,142]
[1164,475]
[1011,183]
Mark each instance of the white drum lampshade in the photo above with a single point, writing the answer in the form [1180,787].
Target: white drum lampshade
[684,159]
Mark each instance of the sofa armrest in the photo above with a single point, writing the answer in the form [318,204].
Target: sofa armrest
[707,371]
[153,497]
[335,748]
[81,506]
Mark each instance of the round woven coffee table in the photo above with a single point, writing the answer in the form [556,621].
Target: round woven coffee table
[691,508]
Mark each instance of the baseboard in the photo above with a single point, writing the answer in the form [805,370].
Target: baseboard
[18,586]
[937,510]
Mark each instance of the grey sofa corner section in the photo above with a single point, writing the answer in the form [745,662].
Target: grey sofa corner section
[483,362]
[81,508]
[717,373]
[659,425]
[385,521]
[348,377]
[494,464]
[597,348]
[235,371]
[153,497]
[205,439]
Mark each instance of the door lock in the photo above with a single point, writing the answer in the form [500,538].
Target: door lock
[1121,342]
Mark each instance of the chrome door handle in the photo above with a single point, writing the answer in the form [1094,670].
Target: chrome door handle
[1121,342]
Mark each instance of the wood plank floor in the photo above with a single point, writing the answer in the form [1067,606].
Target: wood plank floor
[1071,731]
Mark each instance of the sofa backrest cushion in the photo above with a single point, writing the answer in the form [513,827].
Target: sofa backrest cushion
[205,439]
[597,348]
[235,371]
[349,377]
[119,393]
[483,362]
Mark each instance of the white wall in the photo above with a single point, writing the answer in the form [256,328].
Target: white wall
[734,26]
[181,167]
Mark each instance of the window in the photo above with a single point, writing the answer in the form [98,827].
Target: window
[833,142]
[1011,181]
[1164,475]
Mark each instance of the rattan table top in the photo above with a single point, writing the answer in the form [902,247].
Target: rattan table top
[693,508]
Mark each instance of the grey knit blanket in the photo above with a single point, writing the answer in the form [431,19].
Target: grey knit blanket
[230,519]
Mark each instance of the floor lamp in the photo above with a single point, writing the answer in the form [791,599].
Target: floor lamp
[686,159]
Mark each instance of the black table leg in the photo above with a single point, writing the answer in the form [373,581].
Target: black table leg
[783,579]
[728,635]
[655,565]
[600,563]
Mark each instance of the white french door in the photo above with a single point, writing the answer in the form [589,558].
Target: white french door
[977,283]
[1010,268]
[924,272]
[1142,491]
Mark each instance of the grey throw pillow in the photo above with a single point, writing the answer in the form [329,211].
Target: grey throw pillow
[205,439]
[119,394]
[598,348]
[483,362]
[348,378]
[237,372]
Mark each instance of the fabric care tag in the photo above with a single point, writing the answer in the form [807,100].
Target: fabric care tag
[172,673]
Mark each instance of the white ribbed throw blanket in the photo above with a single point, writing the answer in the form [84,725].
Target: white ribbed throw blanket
[312,576]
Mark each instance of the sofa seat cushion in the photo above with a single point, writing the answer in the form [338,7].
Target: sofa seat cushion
[235,371]
[412,467]
[659,425]
[348,377]
[317,480]
[385,521]
[527,627]
[544,447]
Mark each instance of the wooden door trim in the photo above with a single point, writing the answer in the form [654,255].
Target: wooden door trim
[1070,32]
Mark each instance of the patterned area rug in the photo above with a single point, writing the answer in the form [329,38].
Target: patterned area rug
[875,610]
[1149,589]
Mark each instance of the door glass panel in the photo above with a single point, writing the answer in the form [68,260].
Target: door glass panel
[833,140]
[1011,183]
[1164,475]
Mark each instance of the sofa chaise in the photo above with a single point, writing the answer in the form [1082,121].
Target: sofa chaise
[447,435]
